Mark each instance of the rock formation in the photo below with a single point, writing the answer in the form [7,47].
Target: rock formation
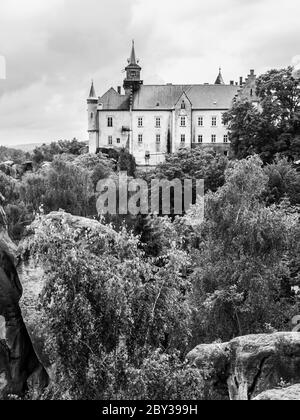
[248,366]
[290,393]
[18,360]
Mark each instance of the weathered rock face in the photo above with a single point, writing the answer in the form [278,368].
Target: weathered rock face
[247,366]
[18,360]
[290,393]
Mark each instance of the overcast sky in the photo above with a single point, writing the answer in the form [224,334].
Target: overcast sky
[53,48]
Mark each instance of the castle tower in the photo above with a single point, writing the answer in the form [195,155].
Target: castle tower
[93,124]
[220,80]
[133,74]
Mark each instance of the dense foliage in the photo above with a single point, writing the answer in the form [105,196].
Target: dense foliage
[125,298]
[272,127]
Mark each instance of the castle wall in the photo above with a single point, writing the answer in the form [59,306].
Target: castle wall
[207,130]
[121,123]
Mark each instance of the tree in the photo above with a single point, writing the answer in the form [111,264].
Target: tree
[283,183]
[47,152]
[272,127]
[107,307]
[193,164]
[240,261]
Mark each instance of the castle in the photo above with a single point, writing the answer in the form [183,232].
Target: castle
[154,120]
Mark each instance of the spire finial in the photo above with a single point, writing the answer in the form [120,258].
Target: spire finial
[92,90]
[132,56]
[219,80]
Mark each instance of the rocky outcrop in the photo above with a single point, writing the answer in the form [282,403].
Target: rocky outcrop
[247,366]
[292,393]
[18,360]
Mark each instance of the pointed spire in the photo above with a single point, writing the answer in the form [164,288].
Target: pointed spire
[133,56]
[92,91]
[220,80]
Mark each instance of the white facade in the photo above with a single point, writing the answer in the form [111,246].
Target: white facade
[151,121]
[159,132]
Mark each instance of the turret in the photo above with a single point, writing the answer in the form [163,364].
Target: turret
[220,80]
[93,122]
[133,73]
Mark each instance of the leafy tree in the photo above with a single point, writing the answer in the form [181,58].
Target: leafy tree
[47,152]
[15,155]
[240,260]
[272,127]
[283,182]
[107,307]
[194,164]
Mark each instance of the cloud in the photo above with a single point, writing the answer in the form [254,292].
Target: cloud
[53,48]
[2,67]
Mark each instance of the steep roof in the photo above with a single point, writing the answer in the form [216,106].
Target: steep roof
[167,96]
[112,100]
[220,80]
[201,96]
[92,91]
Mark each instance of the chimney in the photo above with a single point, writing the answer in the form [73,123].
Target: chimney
[119,90]
[252,73]
[241,81]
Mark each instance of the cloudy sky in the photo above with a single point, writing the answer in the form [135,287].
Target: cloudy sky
[53,48]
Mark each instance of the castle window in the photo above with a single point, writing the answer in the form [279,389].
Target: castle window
[182,138]
[251,92]
[226,138]
[200,138]
[109,122]
[140,122]
[110,140]
[118,141]
[200,121]
[182,105]
[157,138]
[140,138]
[214,121]
[213,138]
[182,121]
[92,115]
[157,122]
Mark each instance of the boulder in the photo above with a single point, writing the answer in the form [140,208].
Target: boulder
[250,365]
[284,394]
[18,360]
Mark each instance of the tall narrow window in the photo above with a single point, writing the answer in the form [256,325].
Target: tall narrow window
[182,138]
[182,105]
[140,122]
[109,122]
[226,138]
[157,122]
[182,121]
[200,121]
[110,140]
[200,138]
[140,138]
[213,138]
[214,121]
[157,138]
